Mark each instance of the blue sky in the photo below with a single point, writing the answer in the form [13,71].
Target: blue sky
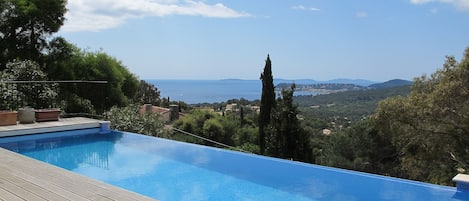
[376,40]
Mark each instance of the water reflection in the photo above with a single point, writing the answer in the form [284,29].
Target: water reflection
[69,152]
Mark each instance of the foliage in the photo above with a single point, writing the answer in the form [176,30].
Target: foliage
[267,102]
[9,94]
[208,125]
[37,95]
[345,108]
[147,94]
[286,139]
[25,26]
[67,62]
[130,119]
[224,129]
[430,127]
[361,147]
[77,104]
[323,87]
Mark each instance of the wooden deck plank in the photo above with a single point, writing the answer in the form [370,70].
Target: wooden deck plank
[53,187]
[7,195]
[46,181]
[33,188]
[26,195]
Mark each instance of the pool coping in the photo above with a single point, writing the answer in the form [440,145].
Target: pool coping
[462,182]
[75,123]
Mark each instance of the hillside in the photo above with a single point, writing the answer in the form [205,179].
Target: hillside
[359,82]
[347,106]
[323,88]
[391,83]
[340,85]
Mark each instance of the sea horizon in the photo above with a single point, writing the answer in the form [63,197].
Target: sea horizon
[207,91]
[221,90]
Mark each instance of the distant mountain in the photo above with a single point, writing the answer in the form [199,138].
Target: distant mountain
[391,83]
[359,82]
[298,81]
[322,88]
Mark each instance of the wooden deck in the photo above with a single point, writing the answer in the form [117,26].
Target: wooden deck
[24,178]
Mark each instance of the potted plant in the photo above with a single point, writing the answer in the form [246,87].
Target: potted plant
[45,102]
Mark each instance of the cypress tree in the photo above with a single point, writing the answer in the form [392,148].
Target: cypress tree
[267,102]
[241,115]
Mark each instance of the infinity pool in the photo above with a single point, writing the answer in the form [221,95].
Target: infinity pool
[168,170]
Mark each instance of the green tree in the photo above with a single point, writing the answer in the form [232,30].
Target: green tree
[119,90]
[25,26]
[361,147]
[286,137]
[130,119]
[430,127]
[241,116]
[267,102]
[147,94]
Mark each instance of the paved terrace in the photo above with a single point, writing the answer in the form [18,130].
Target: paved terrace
[24,178]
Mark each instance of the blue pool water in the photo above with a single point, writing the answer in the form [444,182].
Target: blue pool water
[169,170]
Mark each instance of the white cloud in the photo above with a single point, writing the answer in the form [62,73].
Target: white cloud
[96,15]
[361,14]
[301,7]
[460,4]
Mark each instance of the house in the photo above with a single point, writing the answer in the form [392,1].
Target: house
[326,132]
[231,107]
[165,114]
[256,108]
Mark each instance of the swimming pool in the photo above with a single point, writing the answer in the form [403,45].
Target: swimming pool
[168,170]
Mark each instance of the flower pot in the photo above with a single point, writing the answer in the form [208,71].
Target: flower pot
[8,118]
[47,115]
[26,115]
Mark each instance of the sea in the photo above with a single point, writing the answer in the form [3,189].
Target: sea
[211,91]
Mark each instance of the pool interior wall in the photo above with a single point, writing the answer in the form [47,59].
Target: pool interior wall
[311,181]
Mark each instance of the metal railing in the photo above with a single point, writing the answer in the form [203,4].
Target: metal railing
[209,140]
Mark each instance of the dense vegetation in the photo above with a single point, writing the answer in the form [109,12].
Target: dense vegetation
[28,53]
[347,107]
[418,132]
[42,71]
[323,87]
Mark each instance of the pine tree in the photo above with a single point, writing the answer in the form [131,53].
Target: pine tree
[267,102]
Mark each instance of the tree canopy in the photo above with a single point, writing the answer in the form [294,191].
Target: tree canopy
[430,127]
[25,26]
